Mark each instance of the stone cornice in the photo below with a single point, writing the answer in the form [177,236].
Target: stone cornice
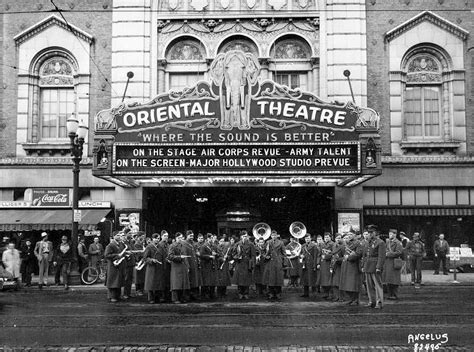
[430,17]
[435,159]
[41,161]
[48,22]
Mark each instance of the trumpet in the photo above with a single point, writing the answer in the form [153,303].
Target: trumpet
[140,265]
[118,261]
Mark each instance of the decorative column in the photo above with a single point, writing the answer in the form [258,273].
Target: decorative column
[161,76]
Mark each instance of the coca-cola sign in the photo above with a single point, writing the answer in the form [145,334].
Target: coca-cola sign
[52,197]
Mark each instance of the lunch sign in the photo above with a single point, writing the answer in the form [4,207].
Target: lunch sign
[233,124]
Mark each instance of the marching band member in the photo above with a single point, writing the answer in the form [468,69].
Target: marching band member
[350,274]
[335,268]
[244,256]
[309,264]
[208,255]
[273,272]
[179,282]
[391,276]
[138,249]
[154,268]
[326,256]
[163,247]
[259,267]
[197,246]
[374,259]
[223,274]
[193,261]
[114,252]
[319,244]
[294,262]
[129,266]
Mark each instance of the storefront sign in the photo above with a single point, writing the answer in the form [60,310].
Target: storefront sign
[348,222]
[243,159]
[51,197]
[93,204]
[14,204]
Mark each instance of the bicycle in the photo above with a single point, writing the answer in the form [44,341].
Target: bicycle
[92,274]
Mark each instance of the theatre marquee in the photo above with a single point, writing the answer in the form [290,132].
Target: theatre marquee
[237,127]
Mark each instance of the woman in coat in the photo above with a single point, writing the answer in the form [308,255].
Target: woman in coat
[309,266]
[63,258]
[273,272]
[350,269]
[390,276]
[154,268]
[179,278]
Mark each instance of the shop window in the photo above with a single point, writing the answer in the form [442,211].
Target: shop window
[408,196]
[394,197]
[381,197]
[422,196]
[422,111]
[369,199]
[436,197]
[179,81]
[462,196]
[449,196]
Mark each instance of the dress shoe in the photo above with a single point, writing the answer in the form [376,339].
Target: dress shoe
[435,273]
[378,306]
[125,298]
[177,302]
[354,303]
[113,300]
[151,302]
[371,305]
[66,287]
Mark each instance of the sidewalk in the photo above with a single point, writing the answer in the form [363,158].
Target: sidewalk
[428,279]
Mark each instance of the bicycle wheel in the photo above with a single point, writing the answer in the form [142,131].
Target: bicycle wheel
[89,275]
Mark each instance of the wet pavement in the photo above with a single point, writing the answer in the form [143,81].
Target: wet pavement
[81,318]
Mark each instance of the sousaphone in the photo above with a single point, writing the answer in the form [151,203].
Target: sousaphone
[261,230]
[297,229]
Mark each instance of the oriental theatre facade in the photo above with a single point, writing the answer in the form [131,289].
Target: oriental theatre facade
[224,127]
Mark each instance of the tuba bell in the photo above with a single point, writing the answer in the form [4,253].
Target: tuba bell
[297,229]
[261,230]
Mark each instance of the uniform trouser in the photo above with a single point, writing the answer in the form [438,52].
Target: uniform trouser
[374,287]
[127,289]
[261,289]
[415,268]
[221,291]
[27,273]
[243,290]
[114,293]
[155,296]
[440,259]
[336,294]
[392,290]
[326,290]
[43,270]
[274,291]
[179,295]
[208,291]
[294,280]
[306,291]
[63,269]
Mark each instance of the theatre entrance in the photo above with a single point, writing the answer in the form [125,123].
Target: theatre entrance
[228,210]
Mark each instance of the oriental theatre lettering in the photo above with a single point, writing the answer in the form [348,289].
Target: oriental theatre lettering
[235,123]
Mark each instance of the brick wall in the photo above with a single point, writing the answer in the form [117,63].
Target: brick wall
[384,15]
[93,17]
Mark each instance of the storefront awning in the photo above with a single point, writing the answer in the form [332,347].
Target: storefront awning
[48,219]
[419,211]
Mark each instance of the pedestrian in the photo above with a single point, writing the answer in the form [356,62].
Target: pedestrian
[244,256]
[163,246]
[11,262]
[44,253]
[153,272]
[179,279]
[309,264]
[273,272]
[19,239]
[441,250]
[391,275]
[114,252]
[27,256]
[96,250]
[82,254]
[416,252]
[208,256]
[374,259]
[63,257]
[350,282]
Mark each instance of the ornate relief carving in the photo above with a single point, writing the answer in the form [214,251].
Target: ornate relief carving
[277,4]
[243,45]
[303,3]
[225,4]
[423,69]
[173,4]
[56,66]
[56,81]
[251,3]
[185,50]
[291,49]
[199,5]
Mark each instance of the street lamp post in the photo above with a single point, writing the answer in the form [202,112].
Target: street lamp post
[77,133]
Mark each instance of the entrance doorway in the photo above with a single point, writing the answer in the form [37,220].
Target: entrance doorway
[200,209]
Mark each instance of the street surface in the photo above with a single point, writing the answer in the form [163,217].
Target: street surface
[83,317]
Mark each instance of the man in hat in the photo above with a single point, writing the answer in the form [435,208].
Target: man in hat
[115,273]
[27,255]
[179,279]
[95,252]
[374,259]
[441,250]
[391,274]
[416,252]
[273,272]
[82,254]
[44,253]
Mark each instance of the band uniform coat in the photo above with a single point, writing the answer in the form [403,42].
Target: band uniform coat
[193,262]
[259,265]
[326,256]
[223,273]
[208,265]
[336,262]
[115,273]
[350,268]
[179,278]
[244,256]
[310,258]
[274,256]
[153,271]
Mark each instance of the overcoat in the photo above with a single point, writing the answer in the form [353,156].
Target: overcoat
[115,274]
[390,275]
[326,255]
[163,248]
[223,274]
[190,249]
[153,271]
[11,260]
[294,266]
[244,256]
[336,262]
[374,256]
[350,269]
[179,279]
[138,254]
[310,258]
[274,255]
[259,265]
[208,265]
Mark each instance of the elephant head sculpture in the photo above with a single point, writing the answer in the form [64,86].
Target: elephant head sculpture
[235,72]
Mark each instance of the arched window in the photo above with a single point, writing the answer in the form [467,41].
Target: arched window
[239,43]
[186,63]
[423,97]
[57,97]
[291,62]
